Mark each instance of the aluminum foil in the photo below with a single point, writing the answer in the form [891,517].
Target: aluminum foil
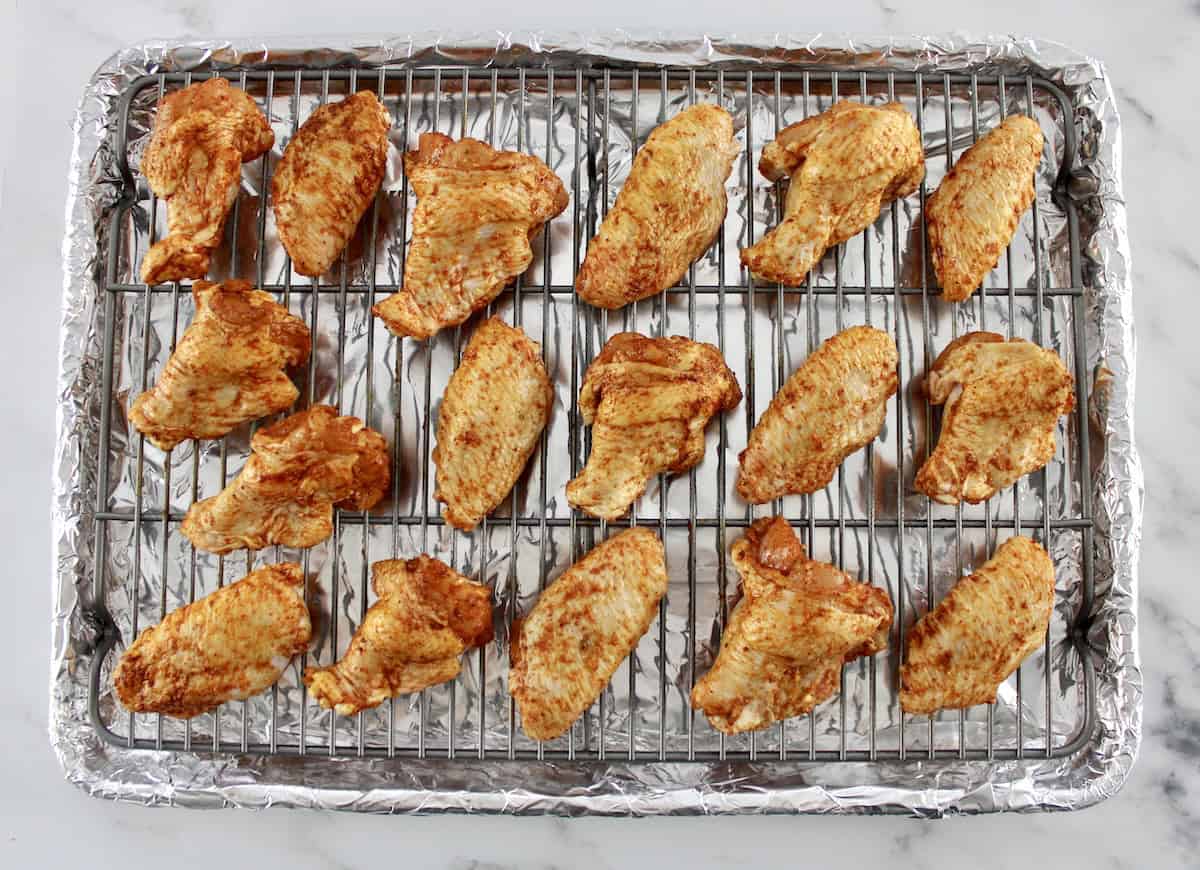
[108,574]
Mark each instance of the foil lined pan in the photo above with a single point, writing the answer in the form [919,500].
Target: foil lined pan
[1081,695]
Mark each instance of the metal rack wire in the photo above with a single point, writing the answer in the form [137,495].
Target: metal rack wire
[140,502]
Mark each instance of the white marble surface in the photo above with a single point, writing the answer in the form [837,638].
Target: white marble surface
[1152,53]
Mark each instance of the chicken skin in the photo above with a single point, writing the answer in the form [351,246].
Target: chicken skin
[960,652]
[328,177]
[831,406]
[845,164]
[227,369]
[667,213]
[496,405]
[478,210]
[227,646]
[1003,400]
[798,621]
[648,401]
[298,470]
[974,213]
[202,136]
[427,616]
[581,629]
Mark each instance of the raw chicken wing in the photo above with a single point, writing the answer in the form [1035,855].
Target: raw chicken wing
[496,405]
[1003,400]
[328,176]
[747,689]
[298,470]
[798,621]
[202,136]
[477,211]
[583,626]
[960,652]
[648,401]
[831,406]
[975,210]
[228,367]
[804,610]
[427,615]
[227,646]
[667,213]
[845,164]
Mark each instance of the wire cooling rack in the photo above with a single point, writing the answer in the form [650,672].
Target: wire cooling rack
[586,123]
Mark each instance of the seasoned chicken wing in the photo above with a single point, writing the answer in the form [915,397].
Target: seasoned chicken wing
[226,646]
[648,401]
[975,210]
[667,213]
[1003,400]
[797,622]
[228,367]
[845,164]
[496,405]
[202,136]
[801,609]
[747,689]
[583,626]
[960,652]
[327,177]
[298,470]
[478,209]
[831,406]
[427,616]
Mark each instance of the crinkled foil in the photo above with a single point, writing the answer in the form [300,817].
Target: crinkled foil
[914,566]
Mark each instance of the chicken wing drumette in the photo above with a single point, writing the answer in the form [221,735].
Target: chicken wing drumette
[844,165]
[426,617]
[299,469]
[1002,403]
[648,401]
[202,136]
[227,369]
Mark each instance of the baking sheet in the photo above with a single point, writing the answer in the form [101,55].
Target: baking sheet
[594,786]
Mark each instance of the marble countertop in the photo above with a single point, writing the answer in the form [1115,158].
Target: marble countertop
[1152,52]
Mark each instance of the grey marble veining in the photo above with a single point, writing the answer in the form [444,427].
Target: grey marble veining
[1151,51]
